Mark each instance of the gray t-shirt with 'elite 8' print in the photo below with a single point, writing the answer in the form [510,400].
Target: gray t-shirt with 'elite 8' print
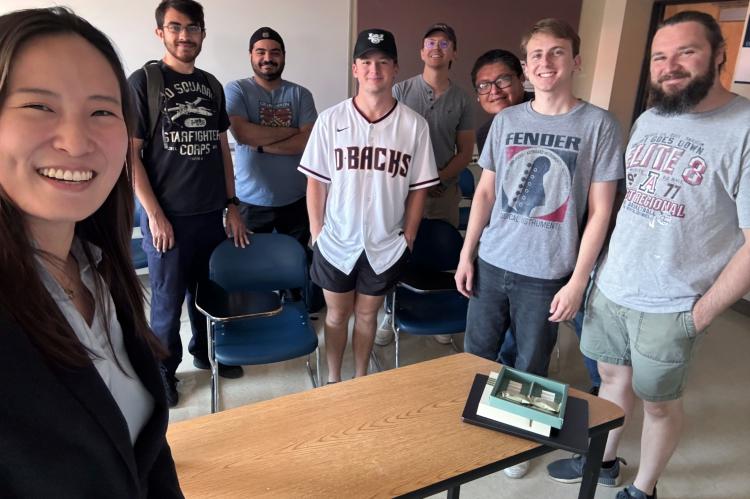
[687,201]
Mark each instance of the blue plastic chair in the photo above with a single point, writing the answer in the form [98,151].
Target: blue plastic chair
[425,300]
[259,334]
[467,185]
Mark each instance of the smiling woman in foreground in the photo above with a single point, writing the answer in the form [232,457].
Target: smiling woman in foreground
[83,412]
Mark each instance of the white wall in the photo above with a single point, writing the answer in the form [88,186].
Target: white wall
[316,36]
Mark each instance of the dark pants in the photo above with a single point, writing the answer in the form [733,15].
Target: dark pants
[509,351]
[504,299]
[174,275]
[290,219]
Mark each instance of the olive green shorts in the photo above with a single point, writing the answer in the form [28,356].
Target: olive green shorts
[659,347]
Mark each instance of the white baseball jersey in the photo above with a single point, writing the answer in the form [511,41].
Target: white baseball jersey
[371,167]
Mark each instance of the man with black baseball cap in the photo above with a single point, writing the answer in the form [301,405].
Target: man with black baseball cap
[447,109]
[369,163]
[271,119]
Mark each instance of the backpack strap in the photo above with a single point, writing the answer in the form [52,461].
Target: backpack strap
[154,92]
[216,87]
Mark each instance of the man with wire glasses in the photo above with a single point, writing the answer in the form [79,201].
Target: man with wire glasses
[447,109]
[184,179]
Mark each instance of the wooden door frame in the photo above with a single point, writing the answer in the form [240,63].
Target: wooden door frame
[657,14]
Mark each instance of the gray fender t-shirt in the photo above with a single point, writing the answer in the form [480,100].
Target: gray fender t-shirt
[543,168]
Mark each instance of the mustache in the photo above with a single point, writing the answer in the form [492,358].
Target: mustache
[676,74]
[268,63]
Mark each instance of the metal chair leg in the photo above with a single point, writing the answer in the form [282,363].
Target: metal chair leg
[453,344]
[395,334]
[375,362]
[317,368]
[214,367]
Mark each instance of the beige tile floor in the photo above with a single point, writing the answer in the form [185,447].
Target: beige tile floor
[710,462]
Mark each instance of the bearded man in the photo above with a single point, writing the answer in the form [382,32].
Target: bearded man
[680,252]
[271,120]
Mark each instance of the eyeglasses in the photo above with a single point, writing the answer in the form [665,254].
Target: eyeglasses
[430,44]
[191,29]
[503,81]
[537,402]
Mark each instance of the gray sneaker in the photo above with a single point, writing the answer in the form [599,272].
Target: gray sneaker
[384,334]
[631,492]
[571,471]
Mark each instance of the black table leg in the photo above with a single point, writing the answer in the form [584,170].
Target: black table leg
[454,492]
[593,466]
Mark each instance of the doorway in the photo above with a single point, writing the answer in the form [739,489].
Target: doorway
[730,14]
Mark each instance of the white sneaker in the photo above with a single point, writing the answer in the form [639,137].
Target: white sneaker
[517,471]
[384,334]
[443,339]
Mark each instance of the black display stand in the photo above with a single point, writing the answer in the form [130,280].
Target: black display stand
[573,436]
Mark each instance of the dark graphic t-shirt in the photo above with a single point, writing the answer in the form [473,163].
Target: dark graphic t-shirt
[183,161]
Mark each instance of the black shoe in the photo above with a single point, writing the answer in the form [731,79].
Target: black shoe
[631,492]
[228,372]
[594,391]
[170,387]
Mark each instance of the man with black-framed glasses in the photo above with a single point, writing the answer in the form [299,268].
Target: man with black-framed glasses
[497,78]
[184,179]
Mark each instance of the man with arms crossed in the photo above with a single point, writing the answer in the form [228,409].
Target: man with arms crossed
[545,163]
[271,120]
[184,180]
[369,163]
[680,251]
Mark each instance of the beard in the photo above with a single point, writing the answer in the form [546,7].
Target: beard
[172,48]
[275,75]
[683,100]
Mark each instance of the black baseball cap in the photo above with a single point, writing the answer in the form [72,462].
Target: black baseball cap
[266,33]
[375,39]
[445,29]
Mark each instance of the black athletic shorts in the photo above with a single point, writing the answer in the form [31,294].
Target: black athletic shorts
[362,278]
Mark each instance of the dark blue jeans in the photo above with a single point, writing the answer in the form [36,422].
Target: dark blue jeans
[509,351]
[504,299]
[174,276]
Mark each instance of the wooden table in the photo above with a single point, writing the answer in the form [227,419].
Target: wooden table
[395,433]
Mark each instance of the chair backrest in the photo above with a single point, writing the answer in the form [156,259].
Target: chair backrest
[466,183]
[269,262]
[437,246]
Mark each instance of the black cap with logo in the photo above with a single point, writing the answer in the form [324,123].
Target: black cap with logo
[266,33]
[375,39]
[445,29]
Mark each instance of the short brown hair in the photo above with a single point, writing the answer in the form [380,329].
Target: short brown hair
[713,30]
[554,27]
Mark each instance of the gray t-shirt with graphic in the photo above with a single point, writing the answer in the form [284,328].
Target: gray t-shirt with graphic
[543,168]
[688,197]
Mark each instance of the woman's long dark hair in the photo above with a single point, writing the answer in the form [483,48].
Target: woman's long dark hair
[22,293]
